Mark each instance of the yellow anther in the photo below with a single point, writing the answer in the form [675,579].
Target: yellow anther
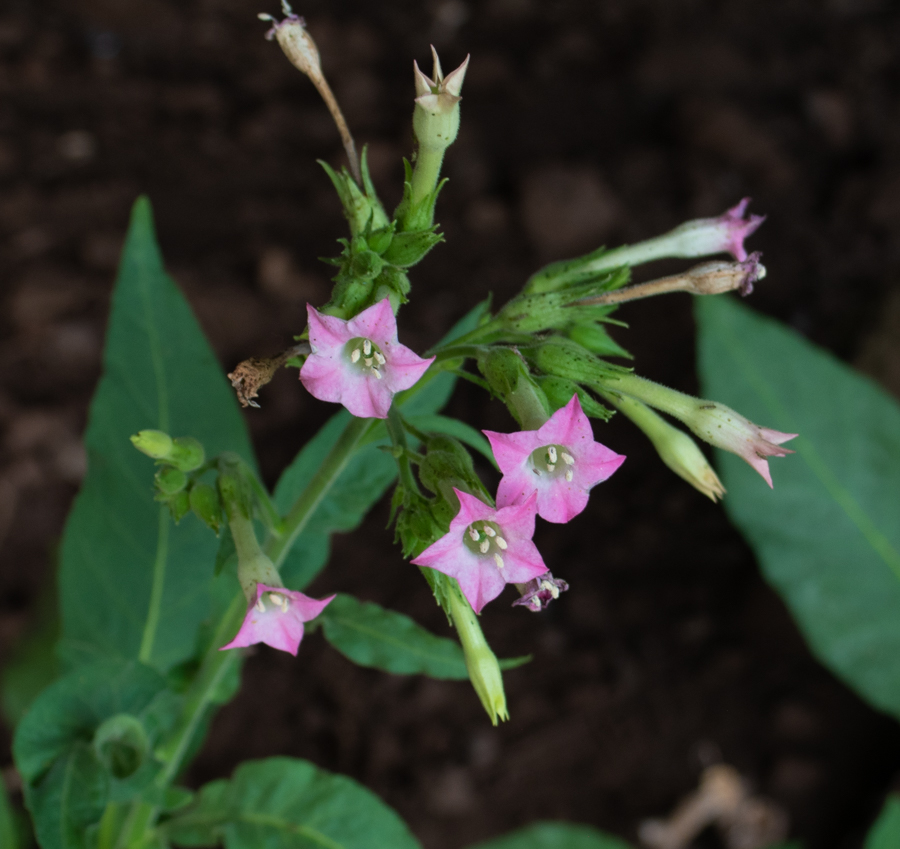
[501,543]
[498,560]
[354,357]
[568,459]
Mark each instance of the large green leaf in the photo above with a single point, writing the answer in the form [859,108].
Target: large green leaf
[66,785]
[372,636]
[554,835]
[131,583]
[885,834]
[828,535]
[282,803]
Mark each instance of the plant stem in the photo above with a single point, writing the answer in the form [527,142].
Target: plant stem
[316,489]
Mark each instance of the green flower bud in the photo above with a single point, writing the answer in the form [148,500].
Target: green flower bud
[509,378]
[676,449]
[481,662]
[365,265]
[380,240]
[153,443]
[121,744]
[565,358]
[187,454]
[362,210]
[204,501]
[436,116]
[559,392]
[448,464]
[170,481]
[179,505]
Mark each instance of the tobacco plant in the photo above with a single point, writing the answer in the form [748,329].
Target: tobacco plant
[176,556]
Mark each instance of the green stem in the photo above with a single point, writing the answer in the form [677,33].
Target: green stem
[426,174]
[396,430]
[316,489]
[156,588]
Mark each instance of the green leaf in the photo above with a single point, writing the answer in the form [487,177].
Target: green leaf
[70,797]
[885,833]
[66,785]
[369,635]
[131,583]
[282,803]
[827,536]
[454,427]
[70,710]
[554,835]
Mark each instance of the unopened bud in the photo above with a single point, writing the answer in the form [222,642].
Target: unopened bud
[179,505]
[510,379]
[153,443]
[559,392]
[481,662]
[170,480]
[187,453]
[205,503]
[121,744]
[436,116]
[675,448]
[565,358]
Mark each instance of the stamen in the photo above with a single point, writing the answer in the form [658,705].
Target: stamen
[498,560]
[552,588]
[275,598]
[473,534]
[484,545]
[551,453]
[569,476]
[490,531]
[550,467]
[568,459]
[259,605]
[379,358]
[377,373]
[368,361]
[354,357]
[367,347]
[501,543]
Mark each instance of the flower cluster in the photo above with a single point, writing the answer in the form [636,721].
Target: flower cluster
[547,472]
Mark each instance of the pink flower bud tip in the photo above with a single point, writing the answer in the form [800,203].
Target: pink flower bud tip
[736,228]
[359,363]
[766,444]
[486,548]
[276,618]
[559,464]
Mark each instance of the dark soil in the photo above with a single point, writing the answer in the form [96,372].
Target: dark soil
[583,123]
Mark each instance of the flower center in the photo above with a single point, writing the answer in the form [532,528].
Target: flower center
[553,460]
[277,599]
[483,539]
[366,356]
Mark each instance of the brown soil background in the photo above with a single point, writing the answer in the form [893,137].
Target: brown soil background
[583,123]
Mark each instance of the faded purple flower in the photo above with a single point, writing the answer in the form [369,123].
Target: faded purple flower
[560,462]
[276,618]
[486,548]
[359,363]
[540,591]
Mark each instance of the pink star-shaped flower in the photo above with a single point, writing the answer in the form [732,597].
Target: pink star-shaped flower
[560,462]
[276,618]
[486,548]
[359,363]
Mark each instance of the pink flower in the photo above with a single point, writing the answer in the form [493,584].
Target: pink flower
[359,363]
[560,462]
[486,548]
[705,236]
[276,618]
[734,228]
